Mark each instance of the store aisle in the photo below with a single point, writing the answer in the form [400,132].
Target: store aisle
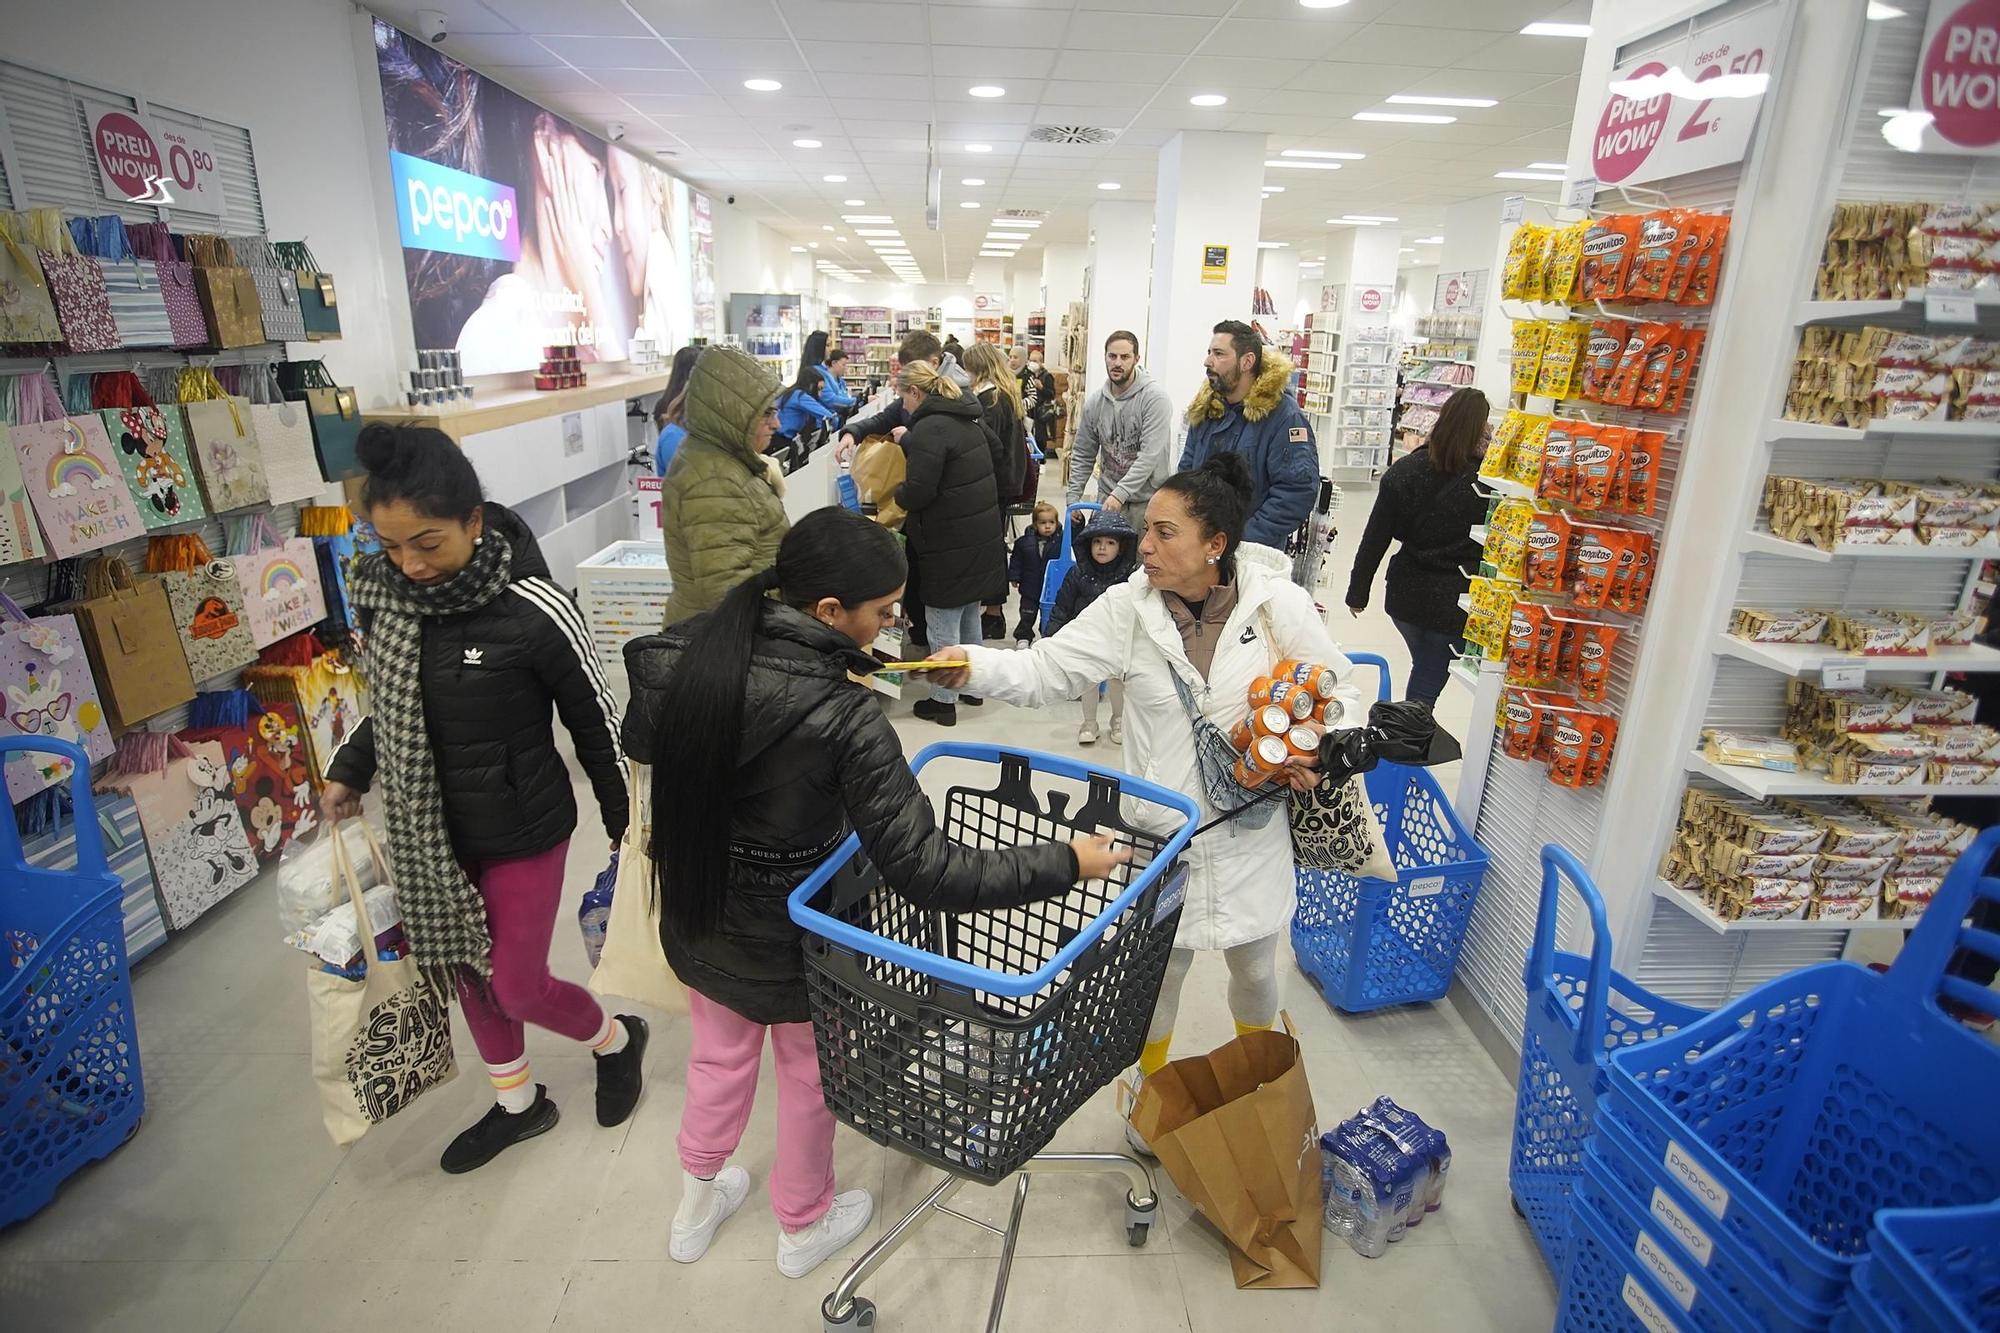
[230,1209]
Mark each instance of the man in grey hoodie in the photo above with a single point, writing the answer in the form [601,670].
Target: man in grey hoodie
[1126,433]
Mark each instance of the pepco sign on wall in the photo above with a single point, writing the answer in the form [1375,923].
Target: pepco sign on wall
[1958,77]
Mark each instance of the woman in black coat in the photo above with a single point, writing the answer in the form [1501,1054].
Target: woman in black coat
[765,755]
[954,524]
[1427,502]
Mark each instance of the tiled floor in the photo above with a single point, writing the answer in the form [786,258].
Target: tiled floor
[230,1209]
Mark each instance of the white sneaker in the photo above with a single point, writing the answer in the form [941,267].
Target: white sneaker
[1117,731]
[1022,644]
[799,1252]
[726,1194]
[1087,734]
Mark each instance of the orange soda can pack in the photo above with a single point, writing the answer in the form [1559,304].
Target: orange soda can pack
[1293,698]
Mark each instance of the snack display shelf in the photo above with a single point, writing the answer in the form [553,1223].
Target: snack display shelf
[1443,360]
[1908,312]
[1760,542]
[1942,432]
[1514,490]
[1765,783]
[1809,659]
[1692,904]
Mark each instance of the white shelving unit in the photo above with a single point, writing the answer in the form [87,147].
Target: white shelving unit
[1698,910]
[1811,659]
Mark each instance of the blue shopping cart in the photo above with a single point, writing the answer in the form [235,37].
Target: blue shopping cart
[1370,943]
[1579,1010]
[1058,568]
[70,1086]
[966,1039]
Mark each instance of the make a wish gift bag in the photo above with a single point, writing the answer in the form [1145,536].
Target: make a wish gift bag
[280,578]
[75,485]
[49,693]
[201,853]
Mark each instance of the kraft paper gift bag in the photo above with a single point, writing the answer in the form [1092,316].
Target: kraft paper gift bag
[228,293]
[878,469]
[265,748]
[151,445]
[285,437]
[50,692]
[201,853]
[378,1042]
[225,443]
[75,485]
[1235,1130]
[633,964]
[27,310]
[152,242]
[280,578]
[135,652]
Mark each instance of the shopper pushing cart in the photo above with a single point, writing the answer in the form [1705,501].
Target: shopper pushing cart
[765,756]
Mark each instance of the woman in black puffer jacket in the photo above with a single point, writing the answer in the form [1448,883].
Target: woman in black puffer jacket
[765,756]
[954,525]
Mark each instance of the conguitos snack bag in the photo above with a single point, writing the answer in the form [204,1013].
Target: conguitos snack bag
[1530,335]
[1562,359]
[1593,659]
[1652,268]
[1708,263]
[1601,353]
[1608,246]
[1599,457]
[1565,262]
[1558,460]
[1545,566]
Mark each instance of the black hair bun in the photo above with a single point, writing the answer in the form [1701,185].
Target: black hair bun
[377,449]
[1229,468]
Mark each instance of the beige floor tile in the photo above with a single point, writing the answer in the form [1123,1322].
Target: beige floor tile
[339,1295]
[175,1296]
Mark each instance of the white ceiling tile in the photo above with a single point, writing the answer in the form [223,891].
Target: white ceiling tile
[736,57]
[1395,43]
[590,53]
[465,16]
[1245,71]
[593,18]
[1259,122]
[1295,39]
[1072,92]
[653,83]
[841,20]
[855,63]
[850,102]
[1143,10]
[483,49]
[992,62]
[1164,33]
[1496,83]
[1556,92]
[1369,80]
[1015,108]
[704,18]
[1546,55]
[1136,66]
[1355,11]
[532,79]
[1498,16]
[713,110]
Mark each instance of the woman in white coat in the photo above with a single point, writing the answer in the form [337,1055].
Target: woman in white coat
[1217,614]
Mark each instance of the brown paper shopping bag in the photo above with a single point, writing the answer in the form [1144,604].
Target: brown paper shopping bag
[1236,1132]
[878,469]
[135,651]
[633,964]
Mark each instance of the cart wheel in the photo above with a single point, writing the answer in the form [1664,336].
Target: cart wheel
[860,1315]
[1517,1206]
[1138,1222]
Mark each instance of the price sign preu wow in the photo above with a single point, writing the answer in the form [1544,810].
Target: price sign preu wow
[141,160]
[1957,83]
[1687,105]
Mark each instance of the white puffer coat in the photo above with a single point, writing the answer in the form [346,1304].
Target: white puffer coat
[1240,882]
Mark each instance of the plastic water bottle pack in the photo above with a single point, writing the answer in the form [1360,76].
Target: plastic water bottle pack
[1382,1170]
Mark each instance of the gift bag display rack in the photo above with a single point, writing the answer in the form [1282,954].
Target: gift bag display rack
[966,1039]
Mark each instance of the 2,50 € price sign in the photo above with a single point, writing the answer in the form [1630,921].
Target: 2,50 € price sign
[1688,104]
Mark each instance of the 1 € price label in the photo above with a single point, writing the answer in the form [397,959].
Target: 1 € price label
[1850,677]
[1943,309]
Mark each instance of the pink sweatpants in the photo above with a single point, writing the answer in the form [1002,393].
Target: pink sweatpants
[521,897]
[722,1084]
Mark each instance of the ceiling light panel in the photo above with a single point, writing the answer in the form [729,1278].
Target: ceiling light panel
[1417,99]
[1329,154]
[1296,164]
[1556,30]
[1405,118]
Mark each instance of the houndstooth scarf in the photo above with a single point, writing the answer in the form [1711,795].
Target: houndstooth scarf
[443,914]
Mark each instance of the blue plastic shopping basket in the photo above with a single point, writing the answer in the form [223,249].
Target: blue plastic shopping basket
[1579,1011]
[70,1087]
[1935,1267]
[1797,1110]
[1370,943]
[967,1039]
[1058,568]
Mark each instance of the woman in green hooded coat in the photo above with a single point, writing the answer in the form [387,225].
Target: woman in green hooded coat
[720,504]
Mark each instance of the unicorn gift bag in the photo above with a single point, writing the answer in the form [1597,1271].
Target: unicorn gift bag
[75,485]
[280,580]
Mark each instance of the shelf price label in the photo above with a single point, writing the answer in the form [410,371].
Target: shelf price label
[1943,309]
[1850,677]
[1688,103]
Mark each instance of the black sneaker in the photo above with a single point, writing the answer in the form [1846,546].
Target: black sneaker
[971,700]
[619,1078]
[498,1130]
[930,710]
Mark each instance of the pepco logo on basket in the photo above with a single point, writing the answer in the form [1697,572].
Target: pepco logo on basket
[441,208]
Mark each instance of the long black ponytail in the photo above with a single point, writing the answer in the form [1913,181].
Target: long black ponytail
[698,741]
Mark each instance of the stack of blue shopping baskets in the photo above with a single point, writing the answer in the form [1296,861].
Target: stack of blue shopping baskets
[1740,1162]
[1371,943]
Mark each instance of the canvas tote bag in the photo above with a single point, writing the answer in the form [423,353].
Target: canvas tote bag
[380,1042]
[633,964]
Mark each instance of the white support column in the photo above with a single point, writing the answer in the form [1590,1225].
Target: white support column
[1121,276]
[1208,196]
[1024,297]
[1278,274]
[1062,283]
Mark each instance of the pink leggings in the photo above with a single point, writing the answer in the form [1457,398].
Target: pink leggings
[521,897]
[722,1084]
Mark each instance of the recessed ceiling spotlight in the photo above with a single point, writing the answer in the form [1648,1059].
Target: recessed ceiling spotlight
[1556,30]
[968,203]
[1274,189]
[853,203]
[1329,155]
[1405,118]
[1527,175]
[1367,217]
[798,249]
[972,180]
[812,245]
[1418,99]
[1430,240]
[834,180]
[1297,165]
[762,85]
[1109,185]
[805,143]
[1350,222]
[979,148]
[1208,99]
[987,90]
[1272,245]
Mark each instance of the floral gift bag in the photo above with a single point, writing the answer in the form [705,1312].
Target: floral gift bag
[225,442]
[50,692]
